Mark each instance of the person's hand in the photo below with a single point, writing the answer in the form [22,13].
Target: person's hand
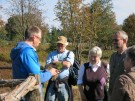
[66,64]
[54,71]
[56,61]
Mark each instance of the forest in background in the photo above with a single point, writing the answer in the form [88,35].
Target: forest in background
[85,25]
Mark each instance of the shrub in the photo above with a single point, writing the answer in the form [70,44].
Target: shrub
[107,54]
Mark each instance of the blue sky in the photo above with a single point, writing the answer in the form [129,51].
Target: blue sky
[122,9]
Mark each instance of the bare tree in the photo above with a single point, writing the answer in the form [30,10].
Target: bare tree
[27,12]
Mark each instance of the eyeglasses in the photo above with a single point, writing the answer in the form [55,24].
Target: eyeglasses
[116,40]
[60,45]
[37,37]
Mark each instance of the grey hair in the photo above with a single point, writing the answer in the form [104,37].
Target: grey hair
[96,51]
[130,52]
[123,34]
[32,30]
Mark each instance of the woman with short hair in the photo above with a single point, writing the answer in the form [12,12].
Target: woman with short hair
[92,76]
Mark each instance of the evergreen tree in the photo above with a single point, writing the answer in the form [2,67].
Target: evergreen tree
[129,27]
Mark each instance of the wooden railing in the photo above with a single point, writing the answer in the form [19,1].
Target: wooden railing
[30,88]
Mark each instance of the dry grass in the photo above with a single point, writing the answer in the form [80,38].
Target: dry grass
[76,94]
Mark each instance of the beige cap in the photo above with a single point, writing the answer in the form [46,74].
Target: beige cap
[62,40]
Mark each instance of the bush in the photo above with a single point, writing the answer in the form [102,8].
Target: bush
[42,53]
[107,54]
[5,53]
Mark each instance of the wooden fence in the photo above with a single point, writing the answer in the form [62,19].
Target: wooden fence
[34,95]
[30,88]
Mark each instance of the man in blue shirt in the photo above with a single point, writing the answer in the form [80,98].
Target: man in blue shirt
[24,57]
[60,55]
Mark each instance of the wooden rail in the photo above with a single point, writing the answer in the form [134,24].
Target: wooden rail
[6,67]
[30,88]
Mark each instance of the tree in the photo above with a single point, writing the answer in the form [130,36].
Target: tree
[2,30]
[86,23]
[102,21]
[129,27]
[70,14]
[51,38]
[13,28]
[23,14]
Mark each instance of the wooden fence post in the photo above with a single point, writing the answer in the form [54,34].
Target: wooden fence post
[31,85]
[36,94]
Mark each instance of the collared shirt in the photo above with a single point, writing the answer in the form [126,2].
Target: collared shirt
[31,46]
[94,68]
[56,56]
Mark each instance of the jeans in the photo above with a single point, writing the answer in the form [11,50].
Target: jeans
[62,93]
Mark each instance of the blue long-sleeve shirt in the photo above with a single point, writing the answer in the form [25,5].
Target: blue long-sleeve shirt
[56,56]
[25,61]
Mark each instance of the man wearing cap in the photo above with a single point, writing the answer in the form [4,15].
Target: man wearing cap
[60,55]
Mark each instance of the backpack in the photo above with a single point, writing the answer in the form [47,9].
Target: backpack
[73,72]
